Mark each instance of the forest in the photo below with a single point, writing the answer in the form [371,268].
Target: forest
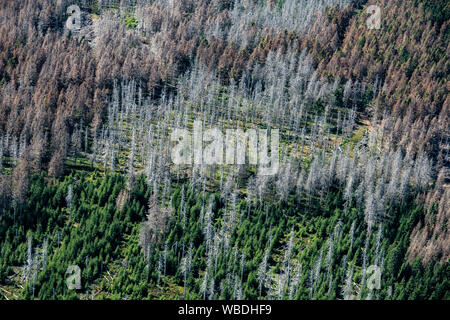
[91,90]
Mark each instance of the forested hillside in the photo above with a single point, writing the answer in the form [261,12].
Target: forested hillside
[358,205]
